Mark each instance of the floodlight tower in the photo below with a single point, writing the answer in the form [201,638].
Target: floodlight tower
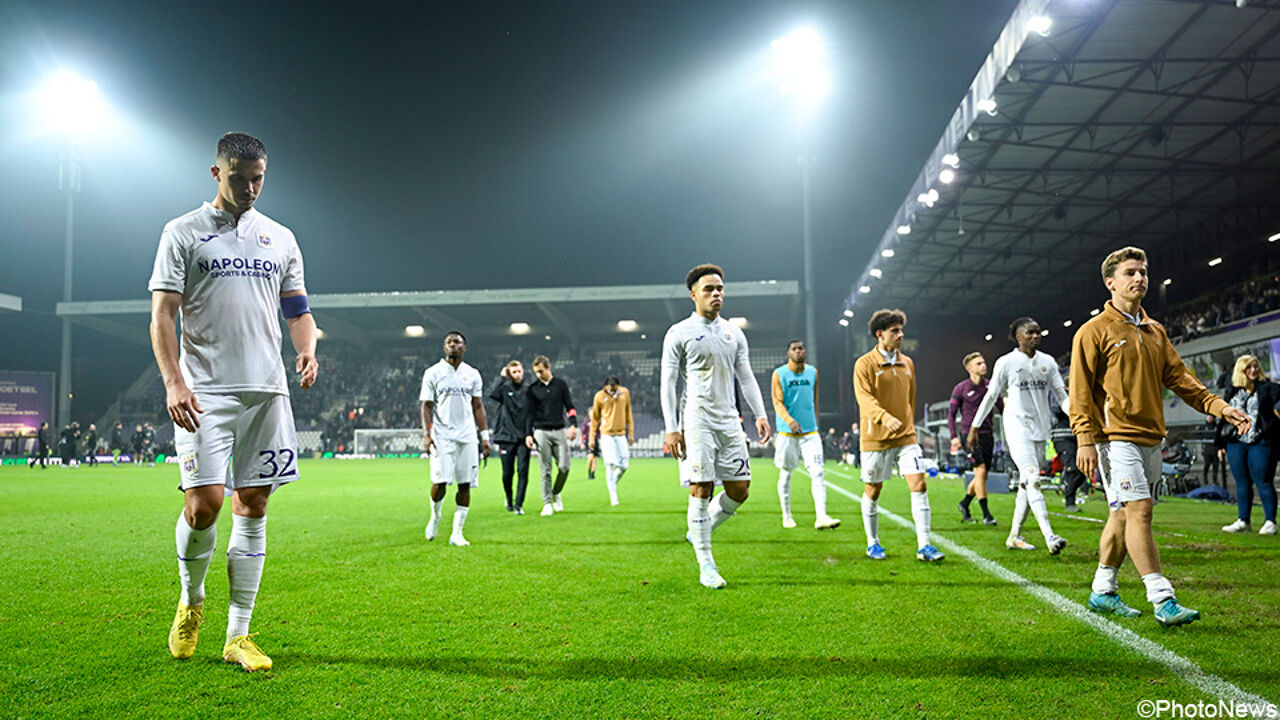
[71,107]
[800,60]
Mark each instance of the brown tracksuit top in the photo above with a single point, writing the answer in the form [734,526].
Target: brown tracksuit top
[885,389]
[1117,370]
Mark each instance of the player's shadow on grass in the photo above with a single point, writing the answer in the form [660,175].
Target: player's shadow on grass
[761,668]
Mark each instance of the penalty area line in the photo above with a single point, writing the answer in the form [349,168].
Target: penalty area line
[1183,668]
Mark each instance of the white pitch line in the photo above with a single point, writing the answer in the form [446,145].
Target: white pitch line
[1185,669]
[1086,518]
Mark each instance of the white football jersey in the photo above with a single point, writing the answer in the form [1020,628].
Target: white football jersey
[452,417]
[230,275]
[708,354]
[1031,383]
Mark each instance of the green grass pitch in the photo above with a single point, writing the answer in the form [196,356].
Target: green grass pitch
[597,612]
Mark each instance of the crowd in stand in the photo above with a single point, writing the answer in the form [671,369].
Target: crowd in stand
[1254,297]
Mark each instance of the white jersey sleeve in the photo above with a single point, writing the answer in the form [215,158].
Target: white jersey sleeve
[293,279]
[672,365]
[428,392]
[746,378]
[996,388]
[170,269]
[1059,389]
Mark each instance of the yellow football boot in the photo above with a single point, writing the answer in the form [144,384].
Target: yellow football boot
[185,631]
[242,650]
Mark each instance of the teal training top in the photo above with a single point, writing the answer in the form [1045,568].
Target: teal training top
[797,398]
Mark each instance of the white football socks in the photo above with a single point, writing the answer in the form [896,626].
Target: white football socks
[721,509]
[1104,579]
[922,515]
[459,519]
[1019,512]
[818,486]
[195,549]
[246,552]
[611,476]
[437,509]
[700,530]
[1159,588]
[784,492]
[871,520]
[1035,499]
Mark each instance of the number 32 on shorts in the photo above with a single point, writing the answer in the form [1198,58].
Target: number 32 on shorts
[277,463]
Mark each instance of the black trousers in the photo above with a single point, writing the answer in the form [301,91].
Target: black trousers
[515,463]
[1072,478]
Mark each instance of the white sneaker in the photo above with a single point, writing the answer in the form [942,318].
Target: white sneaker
[1018,543]
[709,576]
[557,505]
[788,522]
[613,502]
[1268,528]
[433,527]
[548,510]
[1239,526]
[826,522]
[457,540]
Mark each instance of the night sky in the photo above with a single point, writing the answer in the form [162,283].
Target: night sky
[476,144]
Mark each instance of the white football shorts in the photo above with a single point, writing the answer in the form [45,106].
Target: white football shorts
[614,450]
[714,456]
[790,451]
[877,465]
[455,463]
[1026,455]
[253,428]
[1128,471]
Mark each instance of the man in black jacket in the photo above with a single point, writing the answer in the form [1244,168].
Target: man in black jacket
[509,432]
[42,446]
[91,445]
[552,424]
[117,442]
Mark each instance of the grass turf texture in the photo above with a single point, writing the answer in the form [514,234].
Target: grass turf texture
[595,612]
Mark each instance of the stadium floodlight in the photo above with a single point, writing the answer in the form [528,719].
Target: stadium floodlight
[547,338]
[319,334]
[886,253]
[1040,25]
[951,160]
[987,105]
[988,337]
[1094,312]
[947,176]
[739,321]
[70,105]
[1066,323]
[877,273]
[904,229]
[848,313]
[928,198]
[1215,262]
[800,62]
[414,330]
[1274,238]
[1044,332]
[1168,282]
[628,325]
[844,322]
[519,328]
[864,289]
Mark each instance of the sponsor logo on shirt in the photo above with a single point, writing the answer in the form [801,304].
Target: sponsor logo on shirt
[207,238]
[238,267]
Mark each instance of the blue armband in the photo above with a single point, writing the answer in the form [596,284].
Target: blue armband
[294,306]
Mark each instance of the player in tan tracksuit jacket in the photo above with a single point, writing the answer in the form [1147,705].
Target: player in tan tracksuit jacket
[613,430]
[1120,360]
[884,381]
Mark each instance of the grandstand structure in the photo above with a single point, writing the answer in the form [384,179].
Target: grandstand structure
[1094,125]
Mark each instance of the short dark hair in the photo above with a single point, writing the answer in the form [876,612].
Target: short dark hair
[241,146]
[793,342]
[542,360]
[612,380]
[1016,324]
[1112,261]
[885,319]
[458,333]
[696,274]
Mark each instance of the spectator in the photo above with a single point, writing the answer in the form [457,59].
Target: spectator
[1252,454]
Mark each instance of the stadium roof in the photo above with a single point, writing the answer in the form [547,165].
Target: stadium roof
[771,307]
[1147,122]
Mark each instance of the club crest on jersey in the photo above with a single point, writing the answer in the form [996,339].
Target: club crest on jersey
[728,337]
[189,464]
[264,240]
[1126,485]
